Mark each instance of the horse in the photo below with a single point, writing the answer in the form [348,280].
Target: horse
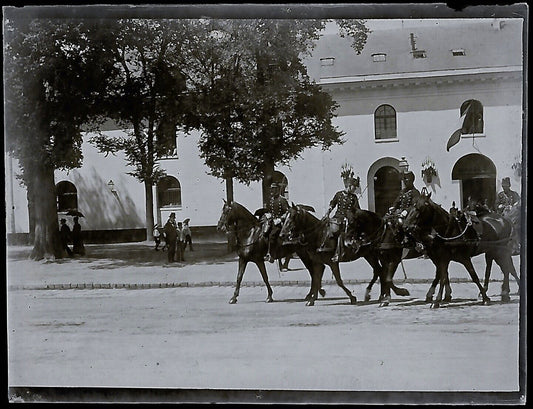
[252,245]
[310,232]
[513,214]
[447,238]
[381,237]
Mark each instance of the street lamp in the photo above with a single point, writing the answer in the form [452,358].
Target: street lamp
[111,186]
[403,165]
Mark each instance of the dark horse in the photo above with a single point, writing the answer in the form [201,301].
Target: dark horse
[379,237]
[252,246]
[513,214]
[310,231]
[447,238]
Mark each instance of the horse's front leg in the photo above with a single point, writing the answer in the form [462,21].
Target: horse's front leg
[335,269]
[389,267]
[467,262]
[506,264]
[377,270]
[240,274]
[317,270]
[488,268]
[442,273]
[263,271]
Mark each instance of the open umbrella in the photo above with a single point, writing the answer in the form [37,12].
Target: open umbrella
[187,220]
[75,213]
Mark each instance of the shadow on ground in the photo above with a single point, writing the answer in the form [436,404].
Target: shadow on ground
[136,254]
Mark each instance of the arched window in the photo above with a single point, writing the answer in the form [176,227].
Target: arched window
[67,196]
[472,110]
[385,122]
[477,174]
[169,192]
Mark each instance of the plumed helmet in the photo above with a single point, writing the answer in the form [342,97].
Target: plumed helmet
[506,182]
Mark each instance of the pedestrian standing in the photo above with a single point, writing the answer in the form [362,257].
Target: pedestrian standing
[187,234]
[180,245]
[65,235]
[77,238]
[171,235]
[157,236]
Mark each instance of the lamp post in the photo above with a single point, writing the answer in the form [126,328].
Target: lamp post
[403,165]
[111,186]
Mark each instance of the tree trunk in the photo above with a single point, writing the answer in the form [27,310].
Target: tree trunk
[232,239]
[267,180]
[46,243]
[229,189]
[149,210]
[31,214]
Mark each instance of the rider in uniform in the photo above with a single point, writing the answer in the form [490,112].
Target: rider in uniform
[346,202]
[508,205]
[407,197]
[276,208]
[506,198]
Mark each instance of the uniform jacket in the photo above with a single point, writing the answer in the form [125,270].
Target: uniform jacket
[345,202]
[406,198]
[505,199]
[277,206]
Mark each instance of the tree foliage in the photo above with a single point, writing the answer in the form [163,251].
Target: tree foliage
[257,105]
[51,77]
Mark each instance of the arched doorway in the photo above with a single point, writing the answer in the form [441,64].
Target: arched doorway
[477,175]
[384,184]
[387,186]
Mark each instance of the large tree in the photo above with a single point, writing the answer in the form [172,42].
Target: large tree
[51,75]
[258,107]
[147,97]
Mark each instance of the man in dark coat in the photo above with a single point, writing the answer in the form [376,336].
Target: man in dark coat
[171,236]
[276,208]
[77,239]
[346,202]
[64,235]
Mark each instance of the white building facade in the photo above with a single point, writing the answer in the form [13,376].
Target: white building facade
[402,97]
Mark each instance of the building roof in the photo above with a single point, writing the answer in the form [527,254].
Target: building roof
[487,44]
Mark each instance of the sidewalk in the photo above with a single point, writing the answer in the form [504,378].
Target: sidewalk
[137,265]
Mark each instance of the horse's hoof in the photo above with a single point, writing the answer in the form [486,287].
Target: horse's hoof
[429,299]
[353,300]
[307,298]
[310,303]
[322,292]
[367,297]
[269,299]
[403,292]
[506,298]
[233,301]
[385,301]
[435,305]
[447,299]
[487,301]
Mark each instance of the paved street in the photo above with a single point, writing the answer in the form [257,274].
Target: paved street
[190,337]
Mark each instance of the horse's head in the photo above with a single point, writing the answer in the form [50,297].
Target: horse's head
[225,216]
[419,216]
[290,225]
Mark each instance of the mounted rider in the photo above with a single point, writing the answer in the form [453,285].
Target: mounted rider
[508,205]
[346,203]
[399,209]
[274,217]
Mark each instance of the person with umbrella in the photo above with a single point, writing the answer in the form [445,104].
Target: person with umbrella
[64,235]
